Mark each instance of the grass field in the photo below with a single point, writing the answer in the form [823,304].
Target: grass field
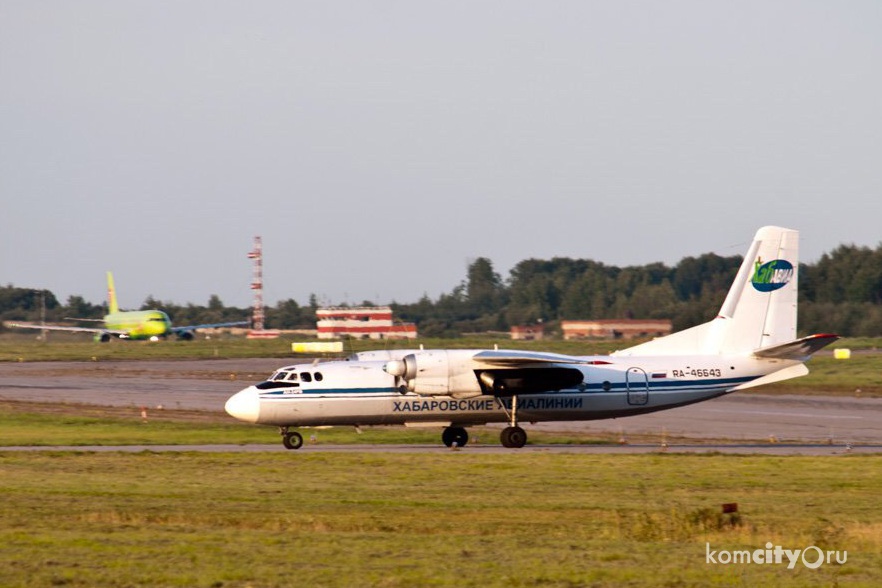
[444,519]
[67,347]
[455,519]
[77,347]
[44,424]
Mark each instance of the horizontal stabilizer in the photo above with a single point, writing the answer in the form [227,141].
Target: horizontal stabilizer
[795,371]
[799,350]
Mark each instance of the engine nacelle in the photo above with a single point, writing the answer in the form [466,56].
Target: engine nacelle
[404,368]
[440,372]
[511,382]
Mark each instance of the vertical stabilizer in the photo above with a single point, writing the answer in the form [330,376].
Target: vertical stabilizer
[759,310]
[112,305]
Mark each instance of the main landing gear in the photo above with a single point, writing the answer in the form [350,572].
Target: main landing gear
[513,436]
[455,435]
[291,439]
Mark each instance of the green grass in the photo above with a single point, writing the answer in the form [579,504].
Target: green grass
[859,376]
[35,424]
[441,519]
[453,519]
[67,347]
[30,428]
[74,347]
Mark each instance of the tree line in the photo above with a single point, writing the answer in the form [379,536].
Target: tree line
[841,293]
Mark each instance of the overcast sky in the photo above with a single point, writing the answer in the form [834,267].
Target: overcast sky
[379,147]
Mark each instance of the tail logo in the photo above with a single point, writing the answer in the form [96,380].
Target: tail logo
[772,275]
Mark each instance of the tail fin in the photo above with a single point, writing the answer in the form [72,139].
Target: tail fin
[759,311]
[112,305]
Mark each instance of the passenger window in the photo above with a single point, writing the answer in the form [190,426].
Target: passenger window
[318,376]
[305,377]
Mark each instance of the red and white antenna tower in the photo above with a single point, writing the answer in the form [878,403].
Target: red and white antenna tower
[257,331]
[257,285]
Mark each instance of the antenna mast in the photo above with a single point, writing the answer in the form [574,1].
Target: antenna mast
[257,285]
[257,331]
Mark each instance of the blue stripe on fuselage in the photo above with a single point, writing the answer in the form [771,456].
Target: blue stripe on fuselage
[667,384]
[594,387]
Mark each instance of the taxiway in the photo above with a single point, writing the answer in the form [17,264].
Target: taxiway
[743,419]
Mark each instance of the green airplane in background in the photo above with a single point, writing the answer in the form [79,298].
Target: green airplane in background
[131,324]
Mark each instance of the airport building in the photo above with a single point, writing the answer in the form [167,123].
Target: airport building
[361,322]
[615,329]
[528,332]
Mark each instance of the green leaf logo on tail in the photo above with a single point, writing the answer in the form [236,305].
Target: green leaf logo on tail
[772,275]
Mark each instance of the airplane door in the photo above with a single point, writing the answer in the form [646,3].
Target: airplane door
[638,386]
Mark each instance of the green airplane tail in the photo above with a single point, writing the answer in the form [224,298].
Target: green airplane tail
[113,307]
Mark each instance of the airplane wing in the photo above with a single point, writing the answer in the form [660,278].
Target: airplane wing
[61,328]
[524,372]
[800,349]
[512,359]
[179,331]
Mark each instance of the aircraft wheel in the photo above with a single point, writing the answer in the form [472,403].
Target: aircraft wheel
[292,440]
[513,437]
[456,435]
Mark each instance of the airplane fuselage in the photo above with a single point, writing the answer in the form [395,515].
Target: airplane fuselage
[363,393]
[139,324]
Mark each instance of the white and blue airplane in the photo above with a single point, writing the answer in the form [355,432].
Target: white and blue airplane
[751,342]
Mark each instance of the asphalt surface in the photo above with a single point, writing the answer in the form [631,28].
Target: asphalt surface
[743,422]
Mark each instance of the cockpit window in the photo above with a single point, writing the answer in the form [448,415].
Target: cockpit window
[277,376]
[292,376]
[306,377]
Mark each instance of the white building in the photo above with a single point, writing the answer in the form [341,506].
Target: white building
[361,322]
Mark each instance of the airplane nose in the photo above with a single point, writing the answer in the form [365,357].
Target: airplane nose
[244,405]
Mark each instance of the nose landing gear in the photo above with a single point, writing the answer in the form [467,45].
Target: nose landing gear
[291,439]
[456,435]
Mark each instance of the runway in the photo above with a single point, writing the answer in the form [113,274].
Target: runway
[747,419]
